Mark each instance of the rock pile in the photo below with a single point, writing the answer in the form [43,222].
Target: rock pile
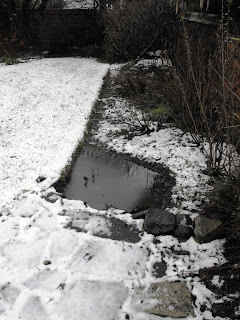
[160,222]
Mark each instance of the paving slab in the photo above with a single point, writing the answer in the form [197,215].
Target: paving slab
[165,299]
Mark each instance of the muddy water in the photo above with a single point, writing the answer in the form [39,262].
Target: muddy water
[102,179]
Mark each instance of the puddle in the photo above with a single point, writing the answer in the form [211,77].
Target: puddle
[103,179]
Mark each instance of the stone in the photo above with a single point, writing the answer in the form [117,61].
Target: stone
[46,52]
[109,228]
[139,215]
[34,308]
[79,300]
[122,232]
[159,269]
[164,299]
[46,262]
[207,230]
[158,221]
[52,197]
[184,227]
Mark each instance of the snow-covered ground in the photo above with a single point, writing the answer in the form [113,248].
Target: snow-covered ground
[48,271]
[80,4]
[45,105]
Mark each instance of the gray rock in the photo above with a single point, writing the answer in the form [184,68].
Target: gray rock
[46,52]
[159,269]
[207,230]
[52,197]
[165,299]
[159,221]
[123,232]
[139,215]
[184,227]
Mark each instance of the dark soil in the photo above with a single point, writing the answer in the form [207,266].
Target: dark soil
[224,205]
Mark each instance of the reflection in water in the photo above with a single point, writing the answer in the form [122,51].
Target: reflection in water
[104,180]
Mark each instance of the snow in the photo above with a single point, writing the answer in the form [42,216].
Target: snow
[48,270]
[216,281]
[51,99]
[79,4]
[155,62]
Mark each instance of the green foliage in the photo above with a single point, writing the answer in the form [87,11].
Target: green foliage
[196,240]
[8,60]
[161,114]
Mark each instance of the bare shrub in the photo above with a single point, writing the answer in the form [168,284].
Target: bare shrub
[58,4]
[209,99]
[132,28]
[147,87]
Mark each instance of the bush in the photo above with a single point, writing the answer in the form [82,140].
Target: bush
[132,28]
[207,79]
[8,60]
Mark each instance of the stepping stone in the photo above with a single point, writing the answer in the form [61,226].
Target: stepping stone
[34,309]
[165,299]
[109,260]
[122,232]
[85,300]
[47,280]
[101,226]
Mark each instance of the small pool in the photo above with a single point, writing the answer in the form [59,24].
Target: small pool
[104,179]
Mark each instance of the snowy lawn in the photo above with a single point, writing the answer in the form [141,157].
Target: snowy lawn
[48,271]
[44,106]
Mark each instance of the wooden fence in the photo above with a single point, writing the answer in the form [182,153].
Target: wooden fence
[67,28]
[57,27]
[4,24]
[234,69]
